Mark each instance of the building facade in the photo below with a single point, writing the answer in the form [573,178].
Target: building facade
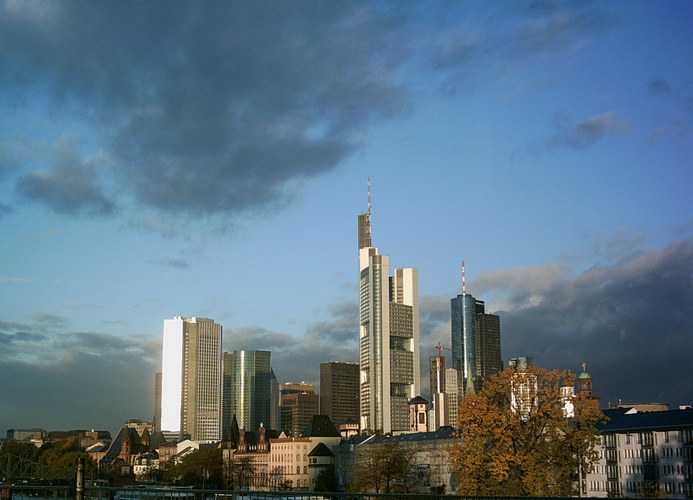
[388,338]
[339,391]
[249,386]
[191,378]
[298,404]
[644,455]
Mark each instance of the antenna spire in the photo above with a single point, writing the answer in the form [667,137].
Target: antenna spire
[368,215]
[464,279]
[369,196]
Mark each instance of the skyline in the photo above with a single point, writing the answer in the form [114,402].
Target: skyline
[211,160]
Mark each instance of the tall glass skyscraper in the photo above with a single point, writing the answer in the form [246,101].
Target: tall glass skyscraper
[475,342]
[191,378]
[388,337]
[250,390]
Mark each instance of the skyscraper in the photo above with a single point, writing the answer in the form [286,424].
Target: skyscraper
[441,411]
[388,337]
[475,340]
[339,391]
[191,378]
[298,405]
[249,386]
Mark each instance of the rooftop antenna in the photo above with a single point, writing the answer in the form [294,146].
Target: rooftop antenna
[369,196]
[464,280]
[368,216]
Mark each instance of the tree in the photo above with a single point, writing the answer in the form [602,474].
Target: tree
[326,480]
[64,455]
[385,466]
[239,472]
[202,468]
[26,451]
[516,439]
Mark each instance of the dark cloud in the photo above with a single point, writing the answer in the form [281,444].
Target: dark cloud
[604,316]
[70,187]
[96,380]
[236,104]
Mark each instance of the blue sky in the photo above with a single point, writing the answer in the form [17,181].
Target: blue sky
[211,159]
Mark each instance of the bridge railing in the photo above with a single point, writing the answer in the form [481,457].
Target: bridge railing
[31,492]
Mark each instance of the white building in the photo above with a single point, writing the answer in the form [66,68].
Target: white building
[389,362]
[191,378]
[644,452]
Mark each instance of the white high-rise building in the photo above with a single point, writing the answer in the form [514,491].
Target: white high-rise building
[390,370]
[191,378]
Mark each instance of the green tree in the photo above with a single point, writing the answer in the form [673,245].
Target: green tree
[26,451]
[326,480]
[516,439]
[201,468]
[384,467]
[64,454]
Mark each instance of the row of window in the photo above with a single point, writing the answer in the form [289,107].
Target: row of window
[632,470]
[647,438]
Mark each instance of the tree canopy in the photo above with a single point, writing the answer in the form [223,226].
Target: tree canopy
[201,468]
[516,437]
[385,467]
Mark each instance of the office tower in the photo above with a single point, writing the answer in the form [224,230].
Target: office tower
[339,391]
[157,401]
[275,417]
[191,378]
[438,397]
[452,395]
[298,404]
[248,389]
[488,343]
[388,337]
[475,340]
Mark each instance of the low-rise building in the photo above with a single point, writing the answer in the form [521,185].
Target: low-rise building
[431,471]
[643,453]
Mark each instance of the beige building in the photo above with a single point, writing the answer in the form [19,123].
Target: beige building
[279,461]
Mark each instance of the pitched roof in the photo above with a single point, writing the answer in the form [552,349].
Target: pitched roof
[620,420]
[418,400]
[321,451]
[321,426]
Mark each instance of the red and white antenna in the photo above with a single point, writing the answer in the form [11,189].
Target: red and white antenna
[464,279]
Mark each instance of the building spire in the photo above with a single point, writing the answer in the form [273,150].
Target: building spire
[368,214]
[365,223]
[464,279]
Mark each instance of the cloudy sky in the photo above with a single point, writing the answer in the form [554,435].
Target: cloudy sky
[211,158]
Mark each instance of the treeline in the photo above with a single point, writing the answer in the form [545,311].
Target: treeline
[61,454]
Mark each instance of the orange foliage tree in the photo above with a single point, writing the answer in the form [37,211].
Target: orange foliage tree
[519,436]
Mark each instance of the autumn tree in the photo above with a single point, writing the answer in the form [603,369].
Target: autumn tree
[517,438]
[384,467]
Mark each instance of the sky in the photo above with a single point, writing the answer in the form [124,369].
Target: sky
[211,158]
